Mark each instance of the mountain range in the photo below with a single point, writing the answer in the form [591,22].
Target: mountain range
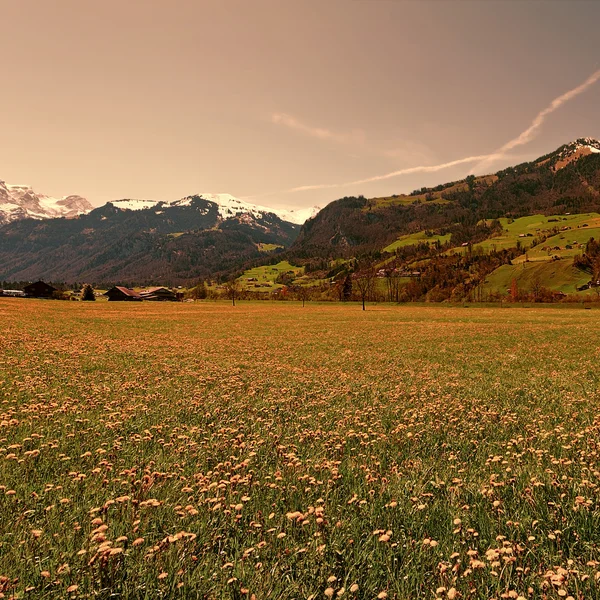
[177,242]
[21,202]
[166,242]
[566,180]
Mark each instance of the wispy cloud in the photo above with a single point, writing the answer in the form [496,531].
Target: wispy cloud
[480,161]
[407,171]
[355,136]
[529,134]
[356,139]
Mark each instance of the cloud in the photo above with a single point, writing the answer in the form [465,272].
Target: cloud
[357,139]
[407,171]
[356,136]
[481,160]
[529,134]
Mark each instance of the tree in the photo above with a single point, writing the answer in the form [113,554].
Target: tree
[514,291]
[365,281]
[302,292]
[199,291]
[537,290]
[233,289]
[392,280]
[87,293]
[347,288]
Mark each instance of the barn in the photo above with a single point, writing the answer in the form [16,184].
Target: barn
[122,294]
[39,289]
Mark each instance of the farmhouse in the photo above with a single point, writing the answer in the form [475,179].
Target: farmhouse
[39,289]
[120,293]
[158,294]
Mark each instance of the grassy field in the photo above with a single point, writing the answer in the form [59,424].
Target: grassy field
[416,238]
[270,451]
[268,247]
[558,275]
[541,224]
[268,274]
[431,197]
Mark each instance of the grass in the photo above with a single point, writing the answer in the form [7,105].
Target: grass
[558,275]
[431,197]
[416,238]
[268,247]
[557,245]
[268,274]
[270,451]
[535,225]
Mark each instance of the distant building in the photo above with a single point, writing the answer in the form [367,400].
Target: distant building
[39,289]
[120,293]
[13,293]
[158,294]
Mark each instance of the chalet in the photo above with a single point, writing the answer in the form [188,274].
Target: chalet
[158,294]
[39,289]
[123,294]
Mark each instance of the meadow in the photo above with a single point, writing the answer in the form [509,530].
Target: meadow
[272,451]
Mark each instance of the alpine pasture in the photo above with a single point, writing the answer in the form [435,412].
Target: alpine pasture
[273,451]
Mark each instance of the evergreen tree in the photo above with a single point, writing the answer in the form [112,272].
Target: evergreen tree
[199,292]
[347,288]
[87,293]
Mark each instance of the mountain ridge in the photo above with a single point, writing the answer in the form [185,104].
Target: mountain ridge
[180,241]
[357,224]
[162,242]
[22,202]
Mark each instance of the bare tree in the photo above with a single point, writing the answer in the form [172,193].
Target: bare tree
[365,282]
[302,293]
[392,280]
[233,289]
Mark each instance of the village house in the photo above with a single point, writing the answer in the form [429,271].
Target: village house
[122,294]
[39,289]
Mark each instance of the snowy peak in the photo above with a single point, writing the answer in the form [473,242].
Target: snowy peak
[21,202]
[574,151]
[228,207]
[135,204]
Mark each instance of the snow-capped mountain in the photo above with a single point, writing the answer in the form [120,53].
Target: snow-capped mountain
[227,205]
[575,150]
[21,202]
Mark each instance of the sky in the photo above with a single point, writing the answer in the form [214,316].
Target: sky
[284,103]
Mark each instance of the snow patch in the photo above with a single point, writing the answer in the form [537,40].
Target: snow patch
[230,206]
[133,204]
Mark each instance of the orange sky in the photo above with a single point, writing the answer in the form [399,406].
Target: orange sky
[154,99]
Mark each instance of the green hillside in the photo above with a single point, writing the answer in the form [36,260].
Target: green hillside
[577,227]
[262,279]
[416,238]
[556,275]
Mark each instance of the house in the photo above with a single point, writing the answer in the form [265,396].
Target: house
[39,289]
[158,294]
[120,293]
